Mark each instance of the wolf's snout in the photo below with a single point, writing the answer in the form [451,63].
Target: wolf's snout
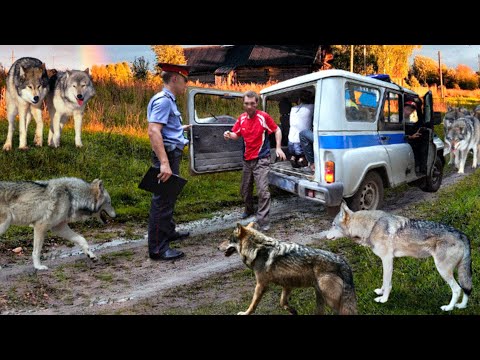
[35,99]
[80,97]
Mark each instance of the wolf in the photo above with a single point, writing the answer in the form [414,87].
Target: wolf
[69,94]
[464,135]
[292,265]
[391,236]
[27,86]
[51,205]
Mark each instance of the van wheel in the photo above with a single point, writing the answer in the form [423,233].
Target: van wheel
[369,195]
[432,183]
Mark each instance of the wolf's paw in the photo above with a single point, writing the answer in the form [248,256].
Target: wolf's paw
[381,299]
[378,291]
[446,308]
[460,306]
[79,145]
[242,313]
[23,148]
[92,256]
[7,147]
[41,267]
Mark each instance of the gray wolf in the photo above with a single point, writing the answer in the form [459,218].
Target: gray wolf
[27,86]
[69,94]
[292,265]
[391,236]
[464,135]
[51,205]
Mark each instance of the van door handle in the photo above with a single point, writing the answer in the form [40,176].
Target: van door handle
[384,138]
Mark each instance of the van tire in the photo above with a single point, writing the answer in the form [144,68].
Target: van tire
[369,195]
[433,183]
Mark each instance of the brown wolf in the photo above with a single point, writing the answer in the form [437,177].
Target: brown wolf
[292,265]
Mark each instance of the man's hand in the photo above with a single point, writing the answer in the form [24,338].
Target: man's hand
[280,154]
[165,172]
[415,136]
[227,135]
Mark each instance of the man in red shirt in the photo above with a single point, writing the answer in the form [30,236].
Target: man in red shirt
[255,126]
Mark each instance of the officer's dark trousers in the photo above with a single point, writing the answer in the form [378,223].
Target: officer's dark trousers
[160,222]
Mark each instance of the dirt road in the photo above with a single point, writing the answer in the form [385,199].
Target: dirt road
[126,281]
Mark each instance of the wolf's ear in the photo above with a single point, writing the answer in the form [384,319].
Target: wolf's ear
[98,188]
[251,225]
[22,71]
[87,70]
[67,74]
[43,66]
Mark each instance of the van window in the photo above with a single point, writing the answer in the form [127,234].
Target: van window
[391,118]
[217,109]
[361,102]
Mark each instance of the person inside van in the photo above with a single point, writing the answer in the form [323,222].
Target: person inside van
[301,118]
[419,147]
[306,141]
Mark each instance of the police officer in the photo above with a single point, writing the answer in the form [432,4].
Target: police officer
[165,130]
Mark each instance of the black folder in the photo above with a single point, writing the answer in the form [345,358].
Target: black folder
[172,187]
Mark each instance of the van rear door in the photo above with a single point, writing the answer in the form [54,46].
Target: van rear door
[211,112]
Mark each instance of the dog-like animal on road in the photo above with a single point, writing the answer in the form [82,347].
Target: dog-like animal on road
[27,86]
[69,94]
[51,205]
[391,236]
[291,265]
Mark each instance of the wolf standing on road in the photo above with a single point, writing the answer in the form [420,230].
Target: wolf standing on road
[27,85]
[69,94]
[165,131]
[255,126]
[391,236]
[51,205]
[292,265]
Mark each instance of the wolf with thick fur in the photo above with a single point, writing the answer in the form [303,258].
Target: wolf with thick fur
[69,94]
[391,236]
[292,265]
[51,205]
[27,86]
[463,135]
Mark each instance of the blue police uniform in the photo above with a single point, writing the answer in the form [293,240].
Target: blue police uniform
[162,109]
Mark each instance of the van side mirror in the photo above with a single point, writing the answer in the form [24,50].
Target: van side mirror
[437,118]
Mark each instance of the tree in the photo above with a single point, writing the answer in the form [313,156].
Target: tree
[172,54]
[466,77]
[341,58]
[140,68]
[425,70]
[393,59]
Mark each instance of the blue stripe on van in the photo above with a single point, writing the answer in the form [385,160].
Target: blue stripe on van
[357,141]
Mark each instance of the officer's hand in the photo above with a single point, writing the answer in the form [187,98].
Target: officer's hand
[186,127]
[226,135]
[165,172]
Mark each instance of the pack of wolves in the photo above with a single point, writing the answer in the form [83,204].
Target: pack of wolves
[388,236]
[66,94]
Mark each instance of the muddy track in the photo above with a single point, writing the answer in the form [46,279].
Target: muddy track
[124,276]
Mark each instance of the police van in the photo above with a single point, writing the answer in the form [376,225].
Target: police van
[361,143]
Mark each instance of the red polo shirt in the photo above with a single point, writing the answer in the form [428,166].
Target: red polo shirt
[257,145]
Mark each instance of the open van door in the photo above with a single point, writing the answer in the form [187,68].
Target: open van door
[212,112]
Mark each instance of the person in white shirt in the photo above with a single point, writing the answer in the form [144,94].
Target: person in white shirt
[301,118]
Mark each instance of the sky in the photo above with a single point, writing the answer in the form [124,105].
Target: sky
[80,57]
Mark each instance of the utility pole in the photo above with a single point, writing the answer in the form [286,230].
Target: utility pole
[13,57]
[351,58]
[440,72]
[479,63]
[364,59]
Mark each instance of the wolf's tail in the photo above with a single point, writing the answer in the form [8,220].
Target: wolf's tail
[348,305]
[465,268]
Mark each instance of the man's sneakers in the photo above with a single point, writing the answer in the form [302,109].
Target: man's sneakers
[246,215]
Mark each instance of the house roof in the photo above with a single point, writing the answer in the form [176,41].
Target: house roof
[221,59]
